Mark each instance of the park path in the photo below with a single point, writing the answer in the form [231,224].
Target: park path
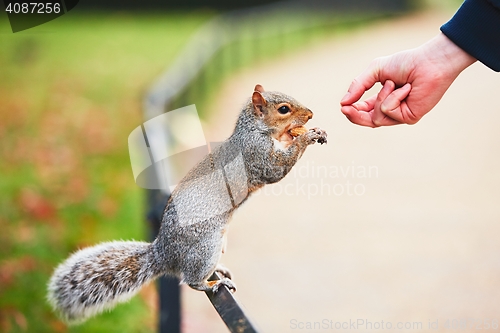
[400,224]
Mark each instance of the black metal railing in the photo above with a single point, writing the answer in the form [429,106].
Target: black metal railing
[229,310]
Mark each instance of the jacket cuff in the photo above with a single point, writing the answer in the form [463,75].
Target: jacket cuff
[475,28]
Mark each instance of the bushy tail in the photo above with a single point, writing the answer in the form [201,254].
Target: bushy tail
[97,278]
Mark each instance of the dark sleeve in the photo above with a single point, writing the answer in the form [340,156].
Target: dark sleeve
[475,28]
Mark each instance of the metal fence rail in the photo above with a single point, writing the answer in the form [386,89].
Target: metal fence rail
[186,82]
[229,309]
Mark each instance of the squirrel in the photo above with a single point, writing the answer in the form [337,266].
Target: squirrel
[268,139]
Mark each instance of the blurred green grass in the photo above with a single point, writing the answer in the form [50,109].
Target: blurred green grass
[70,93]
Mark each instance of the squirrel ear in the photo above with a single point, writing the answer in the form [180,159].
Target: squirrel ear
[258,102]
[259,88]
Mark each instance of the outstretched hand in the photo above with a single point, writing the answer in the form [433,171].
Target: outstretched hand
[413,83]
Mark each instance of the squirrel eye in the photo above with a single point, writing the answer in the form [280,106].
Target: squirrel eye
[283,109]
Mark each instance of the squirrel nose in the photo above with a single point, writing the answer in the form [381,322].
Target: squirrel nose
[309,114]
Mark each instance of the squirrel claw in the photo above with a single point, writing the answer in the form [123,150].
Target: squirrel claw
[224,282]
[317,135]
[224,271]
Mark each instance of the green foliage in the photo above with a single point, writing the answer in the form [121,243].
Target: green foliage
[70,93]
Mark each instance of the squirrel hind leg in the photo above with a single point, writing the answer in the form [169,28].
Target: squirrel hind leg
[200,281]
[213,285]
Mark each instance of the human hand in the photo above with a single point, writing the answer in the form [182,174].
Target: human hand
[413,83]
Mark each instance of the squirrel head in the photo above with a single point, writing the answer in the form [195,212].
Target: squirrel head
[279,112]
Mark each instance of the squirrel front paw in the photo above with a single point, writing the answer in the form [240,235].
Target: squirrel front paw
[317,135]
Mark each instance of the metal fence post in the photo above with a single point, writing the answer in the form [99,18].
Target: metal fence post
[169,320]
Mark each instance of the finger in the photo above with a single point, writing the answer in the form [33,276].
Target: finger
[404,113]
[386,90]
[394,99]
[361,113]
[395,107]
[357,117]
[386,121]
[364,118]
[366,105]
[361,83]
[359,107]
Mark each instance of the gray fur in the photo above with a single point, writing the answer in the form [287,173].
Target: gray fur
[190,242]
[96,278]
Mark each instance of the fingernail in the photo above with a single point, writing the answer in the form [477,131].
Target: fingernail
[346,96]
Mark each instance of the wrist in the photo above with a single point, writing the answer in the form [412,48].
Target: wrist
[441,50]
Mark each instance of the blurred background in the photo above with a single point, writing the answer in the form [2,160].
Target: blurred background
[417,242]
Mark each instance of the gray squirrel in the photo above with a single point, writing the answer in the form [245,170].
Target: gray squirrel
[268,139]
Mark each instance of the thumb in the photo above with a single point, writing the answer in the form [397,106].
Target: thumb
[396,108]
[362,83]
